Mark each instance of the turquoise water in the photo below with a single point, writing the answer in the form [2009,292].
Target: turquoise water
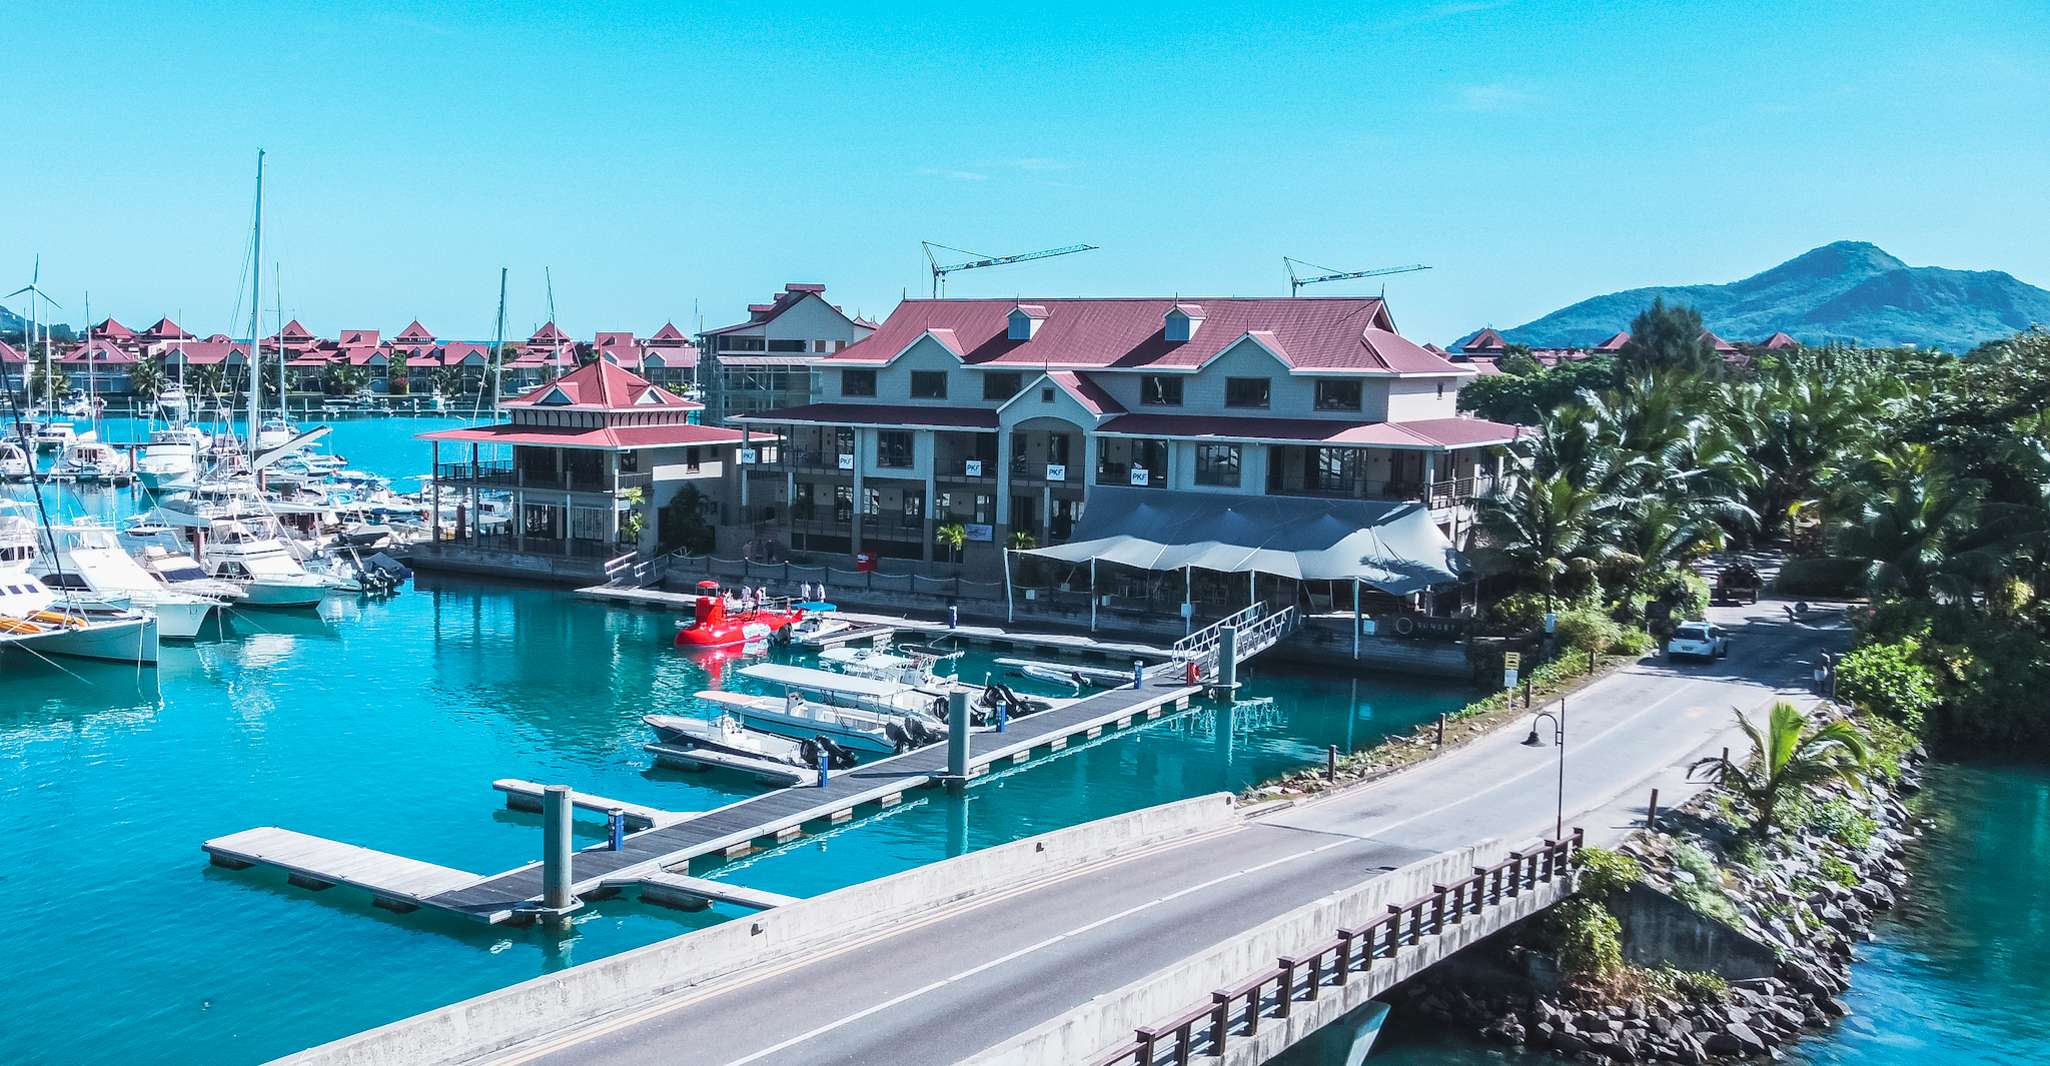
[384,724]
[1957,974]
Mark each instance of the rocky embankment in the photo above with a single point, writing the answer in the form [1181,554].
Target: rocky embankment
[1808,894]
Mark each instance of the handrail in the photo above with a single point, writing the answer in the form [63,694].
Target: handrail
[1206,1029]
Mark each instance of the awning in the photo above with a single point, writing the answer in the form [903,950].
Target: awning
[1392,545]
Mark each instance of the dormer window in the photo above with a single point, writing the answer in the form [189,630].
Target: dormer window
[1181,322]
[1024,322]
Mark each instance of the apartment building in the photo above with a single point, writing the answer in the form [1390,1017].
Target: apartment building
[766,362]
[1009,416]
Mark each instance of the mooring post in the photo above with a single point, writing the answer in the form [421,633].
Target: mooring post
[953,616]
[1228,658]
[1331,762]
[556,843]
[957,737]
[825,768]
[1138,674]
[617,820]
[1651,812]
[1441,729]
[1003,713]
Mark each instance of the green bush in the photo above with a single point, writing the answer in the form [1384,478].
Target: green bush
[1705,894]
[1589,938]
[1839,871]
[1633,641]
[1821,577]
[1889,743]
[1844,824]
[1585,629]
[1697,986]
[1889,679]
[1603,872]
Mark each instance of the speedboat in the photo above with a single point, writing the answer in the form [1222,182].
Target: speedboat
[820,623]
[715,625]
[89,460]
[269,574]
[274,432]
[855,728]
[88,560]
[173,401]
[55,436]
[883,664]
[727,734]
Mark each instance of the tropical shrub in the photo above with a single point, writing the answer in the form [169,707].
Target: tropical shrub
[1585,629]
[1604,872]
[1821,577]
[1888,678]
[1589,939]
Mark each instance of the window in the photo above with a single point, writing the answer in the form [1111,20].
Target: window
[928,384]
[1160,391]
[1001,386]
[914,506]
[786,346]
[1046,394]
[818,347]
[857,383]
[1338,395]
[843,502]
[872,501]
[1245,392]
[740,344]
[1217,464]
[1339,469]
[893,448]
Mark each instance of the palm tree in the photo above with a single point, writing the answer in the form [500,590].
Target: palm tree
[209,381]
[448,381]
[1900,510]
[1788,757]
[146,380]
[1023,540]
[343,379]
[953,536]
[1549,526]
[395,380]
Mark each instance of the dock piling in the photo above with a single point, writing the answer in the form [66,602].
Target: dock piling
[957,736]
[1228,658]
[555,848]
[617,823]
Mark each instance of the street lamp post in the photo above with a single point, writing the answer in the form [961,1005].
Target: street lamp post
[1558,741]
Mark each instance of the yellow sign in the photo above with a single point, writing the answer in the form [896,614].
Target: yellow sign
[1512,660]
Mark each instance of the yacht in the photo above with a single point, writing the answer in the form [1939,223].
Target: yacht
[170,459]
[269,574]
[15,462]
[89,460]
[34,619]
[273,433]
[173,401]
[88,559]
[55,436]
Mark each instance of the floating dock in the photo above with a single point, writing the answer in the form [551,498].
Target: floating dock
[870,631]
[526,796]
[697,893]
[727,832]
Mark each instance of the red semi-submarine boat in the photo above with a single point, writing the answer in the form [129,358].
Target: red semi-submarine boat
[716,627]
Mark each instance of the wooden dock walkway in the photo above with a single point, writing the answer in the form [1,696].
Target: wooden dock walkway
[697,893]
[726,832]
[396,882]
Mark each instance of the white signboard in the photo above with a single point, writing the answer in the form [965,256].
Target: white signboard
[747,455]
[1509,678]
[1057,471]
[846,461]
[980,533]
[1141,476]
[972,468]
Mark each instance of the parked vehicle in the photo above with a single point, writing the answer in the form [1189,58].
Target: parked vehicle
[1698,640]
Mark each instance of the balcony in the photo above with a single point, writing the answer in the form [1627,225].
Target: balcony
[1137,475]
[504,474]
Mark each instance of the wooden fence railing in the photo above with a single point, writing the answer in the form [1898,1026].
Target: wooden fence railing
[1236,1012]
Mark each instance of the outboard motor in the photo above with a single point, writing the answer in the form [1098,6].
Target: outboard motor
[898,737]
[808,750]
[836,754]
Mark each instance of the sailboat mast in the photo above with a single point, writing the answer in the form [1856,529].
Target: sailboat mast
[498,349]
[256,308]
[277,291]
[92,388]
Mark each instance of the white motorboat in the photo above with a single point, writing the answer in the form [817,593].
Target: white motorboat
[726,733]
[857,729]
[882,664]
[834,689]
[89,559]
[269,574]
[173,401]
[819,625]
[15,462]
[89,460]
[34,619]
[55,436]
[274,433]
[170,460]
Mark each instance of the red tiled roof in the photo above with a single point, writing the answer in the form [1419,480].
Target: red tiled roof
[207,352]
[1434,349]
[9,354]
[792,294]
[548,334]
[615,438]
[165,329]
[1031,310]
[293,331]
[359,338]
[898,416]
[1615,343]
[1717,343]
[1191,310]
[668,334]
[1428,434]
[1313,333]
[1487,340]
[414,331]
[679,356]
[113,330]
[101,351]
[1778,341]
[454,352]
[606,385]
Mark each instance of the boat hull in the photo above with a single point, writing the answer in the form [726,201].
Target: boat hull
[127,640]
[280,595]
[181,621]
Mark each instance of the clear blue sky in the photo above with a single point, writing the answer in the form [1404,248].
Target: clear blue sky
[660,158]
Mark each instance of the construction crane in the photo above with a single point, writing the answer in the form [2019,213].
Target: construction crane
[1296,281]
[939,273]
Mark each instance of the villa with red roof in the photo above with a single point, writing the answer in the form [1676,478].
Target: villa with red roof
[582,460]
[1013,416]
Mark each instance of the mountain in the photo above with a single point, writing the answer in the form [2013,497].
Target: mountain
[1849,291]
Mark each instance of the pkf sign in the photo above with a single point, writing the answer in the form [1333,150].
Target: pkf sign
[747,455]
[1057,471]
[1141,476]
[846,461]
[972,468]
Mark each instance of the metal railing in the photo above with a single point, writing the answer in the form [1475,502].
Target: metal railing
[1207,1029]
[1258,629]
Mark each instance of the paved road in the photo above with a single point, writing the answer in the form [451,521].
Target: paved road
[966,977]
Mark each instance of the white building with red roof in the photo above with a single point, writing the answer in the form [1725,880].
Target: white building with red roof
[765,362]
[1011,416]
[582,460]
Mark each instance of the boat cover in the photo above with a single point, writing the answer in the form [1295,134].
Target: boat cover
[808,679]
[1390,544]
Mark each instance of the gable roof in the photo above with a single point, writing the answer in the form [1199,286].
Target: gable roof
[1615,343]
[1351,334]
[113,330]
[668,335]
[1717,343]
[549,333]
[415,332]
[1487,340]
[165,329]
[1778,341]
[792,295]
[604,385]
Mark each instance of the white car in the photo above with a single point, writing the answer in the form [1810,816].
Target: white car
[1698,640]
